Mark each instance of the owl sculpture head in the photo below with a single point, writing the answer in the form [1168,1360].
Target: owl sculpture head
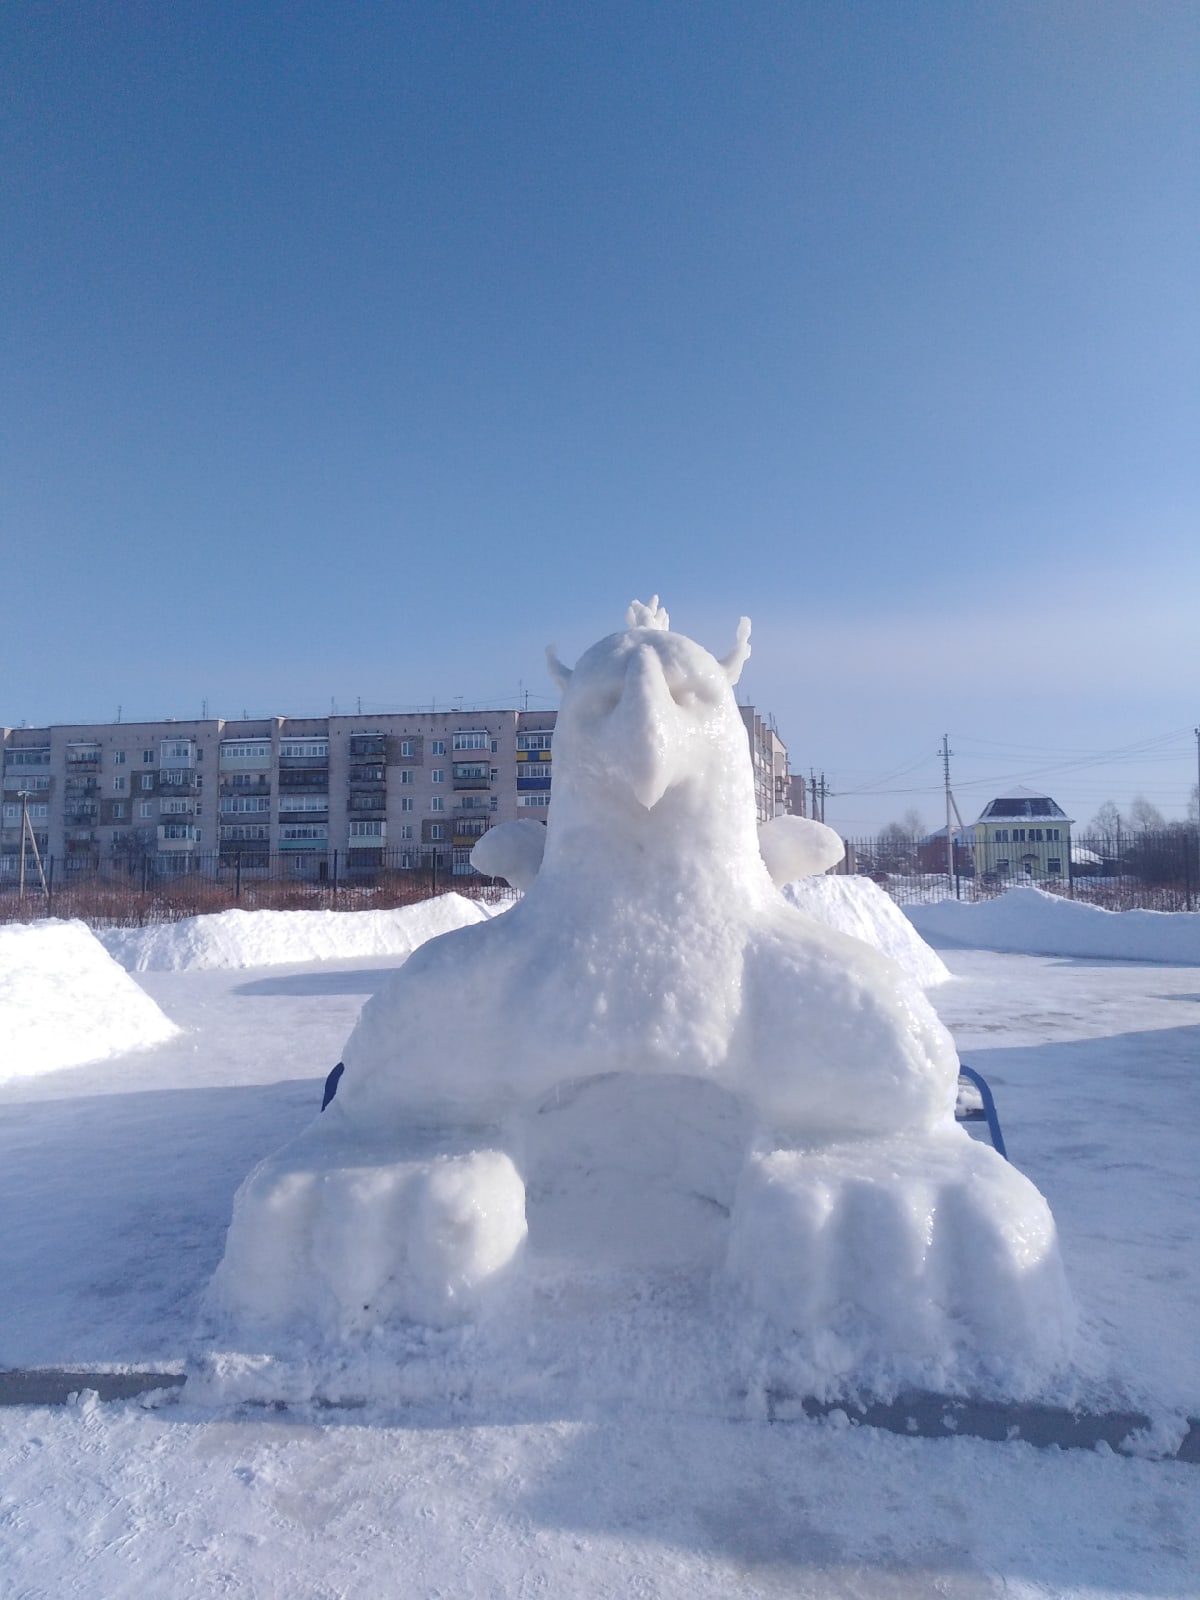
[649,726]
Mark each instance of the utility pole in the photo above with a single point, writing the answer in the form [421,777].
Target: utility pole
[946,754]
[29,840]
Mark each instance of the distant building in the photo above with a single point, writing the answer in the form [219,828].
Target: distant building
[345,793]
[1023,834]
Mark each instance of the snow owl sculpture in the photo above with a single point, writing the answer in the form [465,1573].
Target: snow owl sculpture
[653,969]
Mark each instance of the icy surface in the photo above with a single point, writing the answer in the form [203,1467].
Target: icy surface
[64,1001]
[271,938]
[856,906]
[694,1096]
[1029,919]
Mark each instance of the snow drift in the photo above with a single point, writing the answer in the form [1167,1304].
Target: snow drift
[1030,921]
[233,939]
[65,1001]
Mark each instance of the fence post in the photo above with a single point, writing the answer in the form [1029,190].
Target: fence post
[49,885]
[335,879]
[1187,871]
[237,876]
[433,873]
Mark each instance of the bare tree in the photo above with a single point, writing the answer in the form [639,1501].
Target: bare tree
[1108,822]
[1144,816]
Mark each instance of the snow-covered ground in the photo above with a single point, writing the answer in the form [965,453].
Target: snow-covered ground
[116,1182]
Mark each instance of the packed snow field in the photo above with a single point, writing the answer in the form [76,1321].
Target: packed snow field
[118,1180]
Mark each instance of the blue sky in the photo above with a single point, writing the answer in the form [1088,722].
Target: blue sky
[354,352]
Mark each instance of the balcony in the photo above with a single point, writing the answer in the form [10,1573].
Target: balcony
[83,760]
[179,780]
[472,783]
[303,778]
[229,785]
[303,763]
[81,815]
[77,788]
[366,747]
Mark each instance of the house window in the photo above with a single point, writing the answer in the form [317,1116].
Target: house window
[1054,865]
[147,780]
[118,758]
[1001,836]
[437,803]
[1052,835]
[406,776]
[406,803]
[120,784]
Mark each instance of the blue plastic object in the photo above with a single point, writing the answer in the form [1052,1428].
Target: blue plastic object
[987,1113]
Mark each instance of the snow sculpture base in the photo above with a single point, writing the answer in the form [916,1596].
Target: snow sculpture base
[925,1262]
[342,1249]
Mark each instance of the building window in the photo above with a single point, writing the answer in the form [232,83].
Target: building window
[175,751]
[120,784]
[12,813]
[535,741]
[406,775]
[118,758]
[477,739]
[407,747]
[1053,835]
[535,769]
[145,808]
[406,803]
[147,780]
[147,758]
[406,830]
[245,802]
[494,803]
[438,775]
[1054,865]
[437,831]
[539,801]
[305,747]
[366,830]
[438,747]
[437,803]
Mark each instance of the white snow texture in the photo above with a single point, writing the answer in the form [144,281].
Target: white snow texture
[654,1064]
[65,1001]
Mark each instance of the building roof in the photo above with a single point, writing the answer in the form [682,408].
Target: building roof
[1021,802]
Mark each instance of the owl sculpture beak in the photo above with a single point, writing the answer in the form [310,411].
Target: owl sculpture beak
[646,727]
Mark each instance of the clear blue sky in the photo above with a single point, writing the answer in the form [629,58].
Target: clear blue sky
[354,351]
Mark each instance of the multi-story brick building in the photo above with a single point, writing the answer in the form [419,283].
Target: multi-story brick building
[189,793]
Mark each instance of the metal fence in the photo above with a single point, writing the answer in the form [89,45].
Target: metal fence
[1148,871]
[123,892]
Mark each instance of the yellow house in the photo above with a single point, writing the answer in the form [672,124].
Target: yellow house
[1023,835]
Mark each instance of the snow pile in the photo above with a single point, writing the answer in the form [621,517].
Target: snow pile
[233,939]
[65,1001]
[654,1082]
[1030,921]
[860,908]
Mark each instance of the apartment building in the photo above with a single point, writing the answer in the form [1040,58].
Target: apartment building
[188,793]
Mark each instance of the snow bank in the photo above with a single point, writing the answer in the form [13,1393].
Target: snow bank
[232,939]
[65,1001]
[1031,922]
[860,908]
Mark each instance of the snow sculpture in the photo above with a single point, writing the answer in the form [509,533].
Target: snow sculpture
[654,1060]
